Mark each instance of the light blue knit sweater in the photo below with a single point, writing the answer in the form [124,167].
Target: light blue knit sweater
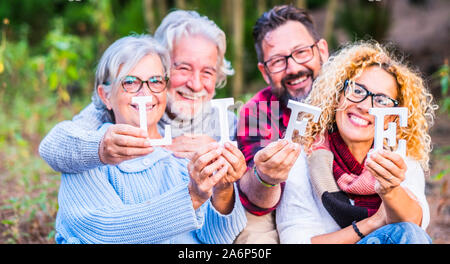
[144,200]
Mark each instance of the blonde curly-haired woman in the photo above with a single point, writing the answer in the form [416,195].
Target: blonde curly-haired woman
[335,193]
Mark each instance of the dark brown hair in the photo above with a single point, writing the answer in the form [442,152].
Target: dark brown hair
[276,17]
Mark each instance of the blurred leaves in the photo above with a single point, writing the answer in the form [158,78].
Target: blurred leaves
[440,175]
[36,84]
[63,57]
[358,18]
[442,74]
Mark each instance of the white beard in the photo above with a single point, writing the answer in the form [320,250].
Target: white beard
[178,109]
[185,110]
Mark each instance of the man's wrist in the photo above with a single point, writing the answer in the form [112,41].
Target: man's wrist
[262,178]
[263,182]
[256,198]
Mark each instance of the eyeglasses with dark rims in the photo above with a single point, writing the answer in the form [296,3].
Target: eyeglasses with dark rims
[279,63]
[356,93]
[133,84]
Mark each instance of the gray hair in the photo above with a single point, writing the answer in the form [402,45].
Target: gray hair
[182,23]
[121,57]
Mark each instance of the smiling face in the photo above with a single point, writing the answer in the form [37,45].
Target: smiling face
[296,80]
[353,120]
[193,75]
[119,101]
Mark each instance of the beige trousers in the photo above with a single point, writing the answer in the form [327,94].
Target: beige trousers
[259,230]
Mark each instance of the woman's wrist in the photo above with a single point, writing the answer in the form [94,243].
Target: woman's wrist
[390,194]
[357,231]
[402,206]
[371,224]
[223,199]
[223,187]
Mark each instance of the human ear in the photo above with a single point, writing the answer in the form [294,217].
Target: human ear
[104,96]
[322,46]
[263,72]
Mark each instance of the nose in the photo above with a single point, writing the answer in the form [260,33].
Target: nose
[366,104]
[194,83]
[145,90]
[293,67]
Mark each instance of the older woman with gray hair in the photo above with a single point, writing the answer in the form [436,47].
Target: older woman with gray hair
[197,56]
[156,198]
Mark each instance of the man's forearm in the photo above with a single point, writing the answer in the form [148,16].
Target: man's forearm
[72,145]
[69,149]
[258,194]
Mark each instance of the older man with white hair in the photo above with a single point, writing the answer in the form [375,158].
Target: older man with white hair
[197,49]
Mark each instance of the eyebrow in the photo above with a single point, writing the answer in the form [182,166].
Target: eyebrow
[190,65]
[365,87]
[211,68]
[293,49]
[180,63]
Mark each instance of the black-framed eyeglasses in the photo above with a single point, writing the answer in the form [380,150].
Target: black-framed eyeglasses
[356,93]
[279,63]
[133,84]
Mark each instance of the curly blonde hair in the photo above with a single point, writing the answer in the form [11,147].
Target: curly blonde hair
[348,63]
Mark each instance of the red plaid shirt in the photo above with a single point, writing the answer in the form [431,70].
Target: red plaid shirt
[262,119]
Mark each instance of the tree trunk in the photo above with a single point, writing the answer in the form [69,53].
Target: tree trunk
[227,11]
[149,15]
[162,10]
[180,4]
[261,7]
[301,4]
[329,20]
[238,47]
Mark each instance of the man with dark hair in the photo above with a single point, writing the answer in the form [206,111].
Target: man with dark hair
[290,54]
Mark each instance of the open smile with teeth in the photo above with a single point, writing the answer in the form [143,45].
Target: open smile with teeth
[358,121]
[149,107]
[189,96]
[297,80]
